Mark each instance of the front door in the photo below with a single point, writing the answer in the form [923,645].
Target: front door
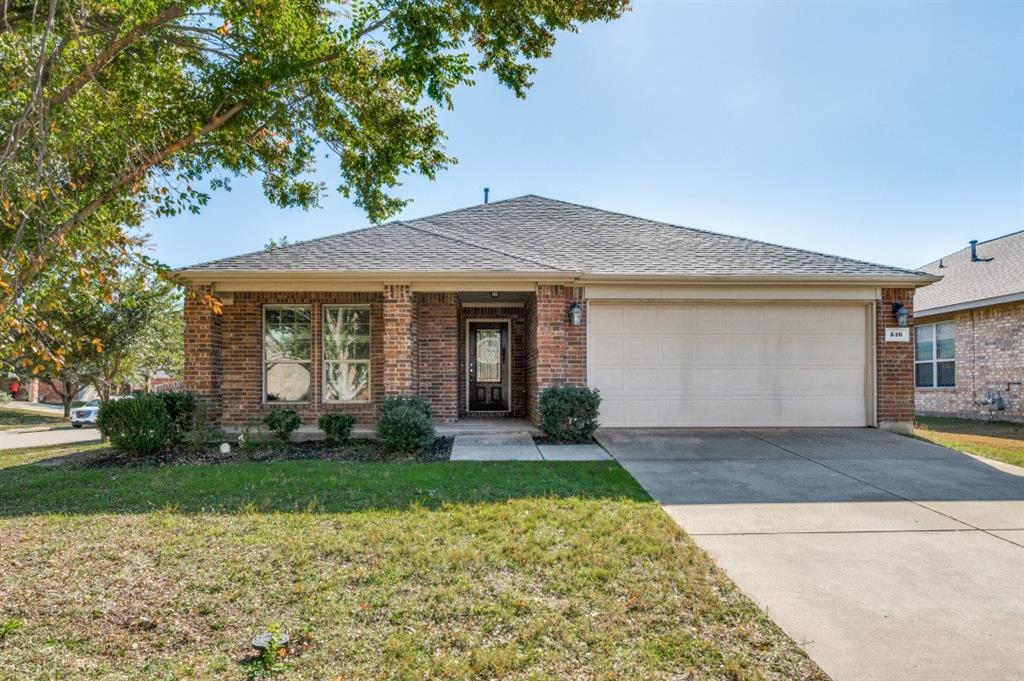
[488,366]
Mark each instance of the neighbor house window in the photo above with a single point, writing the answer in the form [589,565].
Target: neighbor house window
[287,349]
[346,353]
[935,356]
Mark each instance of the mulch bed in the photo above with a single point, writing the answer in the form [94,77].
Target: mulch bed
[542,440]
[355,450]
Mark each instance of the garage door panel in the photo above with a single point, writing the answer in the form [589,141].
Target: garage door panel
[684,364]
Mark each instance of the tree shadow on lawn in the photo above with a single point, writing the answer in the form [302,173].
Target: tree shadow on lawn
[304,486]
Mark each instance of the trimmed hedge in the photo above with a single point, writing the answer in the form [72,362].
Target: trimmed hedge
[138,426]
[282,422]
[337,426]
[405,426]
[569,413]
[417,403]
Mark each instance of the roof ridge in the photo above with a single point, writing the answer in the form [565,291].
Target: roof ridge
[474,245]
[727,236]
[997,238]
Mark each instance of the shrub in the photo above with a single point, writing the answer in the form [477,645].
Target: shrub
[282,422]
[5,397]
[404,429]
[417,403]
[181,409]
[137,426]
[569,413]
[201,433]
[337,426]
[251,439]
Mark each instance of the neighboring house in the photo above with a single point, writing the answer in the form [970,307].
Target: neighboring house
[478,310]
[970,332]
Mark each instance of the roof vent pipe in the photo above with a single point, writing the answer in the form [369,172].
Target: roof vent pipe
[974,252]
[487,191]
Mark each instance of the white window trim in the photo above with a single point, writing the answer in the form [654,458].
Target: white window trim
[934,361]
[324,361]
[263,350]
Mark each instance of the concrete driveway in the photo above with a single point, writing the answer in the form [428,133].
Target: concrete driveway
[884,556]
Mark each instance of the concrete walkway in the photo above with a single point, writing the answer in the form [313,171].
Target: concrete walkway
[519,447]
[884,556]
[58,436]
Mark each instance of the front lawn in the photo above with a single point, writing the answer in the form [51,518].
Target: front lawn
[381,570]
[1000,440]
[13,417]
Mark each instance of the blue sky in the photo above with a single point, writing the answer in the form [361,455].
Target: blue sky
[889,132]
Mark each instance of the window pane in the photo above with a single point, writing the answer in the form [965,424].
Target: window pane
[286,334]
[346,333]
[287,382]
[946,374]
[925,345]
[944,341]
[488,356]
[346,382]
[923,375]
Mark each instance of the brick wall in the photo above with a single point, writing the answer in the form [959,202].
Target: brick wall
[894,364]
[989,359]
[399,366]
[518,353]
[559,349]
[203,352]
[437,352]
[242,356]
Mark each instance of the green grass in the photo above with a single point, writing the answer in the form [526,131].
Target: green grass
[13,417]
[390,571]
[1000,440]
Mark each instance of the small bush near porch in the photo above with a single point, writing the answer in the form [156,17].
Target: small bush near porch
[444,570]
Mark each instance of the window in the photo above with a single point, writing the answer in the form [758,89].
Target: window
[346,354]
[935,356]
[287,341]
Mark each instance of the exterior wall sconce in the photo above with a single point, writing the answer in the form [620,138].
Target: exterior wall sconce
[575,314]
[902,314]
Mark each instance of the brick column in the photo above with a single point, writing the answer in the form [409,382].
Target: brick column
[895,365]
[203,352]
[399,341]
[558,355]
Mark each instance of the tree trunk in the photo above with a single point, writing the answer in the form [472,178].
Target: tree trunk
[67,399]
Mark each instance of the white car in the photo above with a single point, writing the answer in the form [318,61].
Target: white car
[86,414]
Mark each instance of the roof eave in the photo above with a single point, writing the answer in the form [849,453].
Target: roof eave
[970,305]
[905,280]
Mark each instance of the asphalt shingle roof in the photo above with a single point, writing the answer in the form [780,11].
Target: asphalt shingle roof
[964,281]
[536,234]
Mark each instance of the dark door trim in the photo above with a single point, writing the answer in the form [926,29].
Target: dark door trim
[506,379]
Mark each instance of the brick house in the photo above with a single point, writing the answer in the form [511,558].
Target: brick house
[479,310]
[970,333]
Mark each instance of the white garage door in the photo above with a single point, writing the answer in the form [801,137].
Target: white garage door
[684,364]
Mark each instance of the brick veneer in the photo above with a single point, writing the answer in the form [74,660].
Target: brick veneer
[989,358]
[399,366]
[895,365]
[518,340]
[557,349]
[203,352]
[437,359]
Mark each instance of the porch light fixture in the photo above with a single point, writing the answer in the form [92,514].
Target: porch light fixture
[575,314]
[902,314]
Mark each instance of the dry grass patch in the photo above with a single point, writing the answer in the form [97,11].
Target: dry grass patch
[462,571]
[1000,440]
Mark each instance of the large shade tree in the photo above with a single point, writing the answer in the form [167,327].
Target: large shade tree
[113,110]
